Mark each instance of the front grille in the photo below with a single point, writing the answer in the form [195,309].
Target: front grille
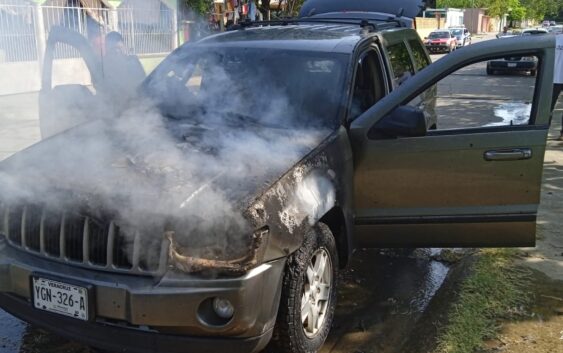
[81,240]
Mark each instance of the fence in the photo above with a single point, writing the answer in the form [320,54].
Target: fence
[25,27]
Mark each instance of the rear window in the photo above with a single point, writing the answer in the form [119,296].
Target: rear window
[400,62]
[419,53]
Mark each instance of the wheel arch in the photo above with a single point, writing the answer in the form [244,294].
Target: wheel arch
[336,222]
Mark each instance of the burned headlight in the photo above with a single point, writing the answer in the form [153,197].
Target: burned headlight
[221,259]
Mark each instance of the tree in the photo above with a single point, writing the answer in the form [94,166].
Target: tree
[517,14]
[200,7]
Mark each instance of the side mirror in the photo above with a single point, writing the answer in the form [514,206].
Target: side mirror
[403,121]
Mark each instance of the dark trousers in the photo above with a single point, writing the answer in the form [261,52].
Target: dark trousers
[556,91]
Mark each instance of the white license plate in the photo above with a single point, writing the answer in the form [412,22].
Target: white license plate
[511,65]
[61,298]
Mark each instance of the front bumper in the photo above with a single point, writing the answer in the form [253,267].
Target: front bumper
[143,314]
[437,47]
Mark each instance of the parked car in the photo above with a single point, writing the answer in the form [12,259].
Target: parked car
[534,31]
[556,29]
[462,35]
[247,251]
[441,41]
[513,64]
[517,64]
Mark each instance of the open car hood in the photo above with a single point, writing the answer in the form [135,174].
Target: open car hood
[409,8]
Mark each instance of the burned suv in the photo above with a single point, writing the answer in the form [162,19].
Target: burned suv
[213,211]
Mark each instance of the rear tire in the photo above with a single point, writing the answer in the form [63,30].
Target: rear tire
[533,73]
[308,297]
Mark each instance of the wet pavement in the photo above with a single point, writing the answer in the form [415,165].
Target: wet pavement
[381,297]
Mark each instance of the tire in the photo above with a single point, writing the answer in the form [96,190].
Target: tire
[490,72]
[291,333]
[533,73]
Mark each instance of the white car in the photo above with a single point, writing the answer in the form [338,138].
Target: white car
[534,31]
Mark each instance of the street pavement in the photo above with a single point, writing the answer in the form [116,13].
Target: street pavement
[383,294]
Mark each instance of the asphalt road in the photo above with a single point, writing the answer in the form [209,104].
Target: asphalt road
[382,295]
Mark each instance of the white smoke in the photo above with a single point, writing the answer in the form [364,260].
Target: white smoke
[199,142]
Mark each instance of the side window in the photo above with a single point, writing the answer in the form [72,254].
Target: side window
[369,85]
[420,58]
[461,102]
[400,62]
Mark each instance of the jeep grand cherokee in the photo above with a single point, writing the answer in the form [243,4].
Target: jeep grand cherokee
[365,169]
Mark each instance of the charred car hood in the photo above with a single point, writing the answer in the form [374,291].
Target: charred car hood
[134,167]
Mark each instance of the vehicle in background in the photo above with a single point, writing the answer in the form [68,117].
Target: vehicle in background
[545,23]
[534,31]
[462,35]
[514,64]
[556,29]
[440,41]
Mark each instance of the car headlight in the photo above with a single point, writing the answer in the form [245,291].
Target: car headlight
[249,254]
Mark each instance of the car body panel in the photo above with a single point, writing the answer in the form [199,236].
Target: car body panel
[54,116]
[441,182]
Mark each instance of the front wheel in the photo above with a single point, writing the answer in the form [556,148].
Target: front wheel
[308,297]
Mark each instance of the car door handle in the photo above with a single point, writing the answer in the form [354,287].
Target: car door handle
[508,155]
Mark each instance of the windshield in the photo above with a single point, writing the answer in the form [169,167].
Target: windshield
[280,88]
[457,32]
[439,35]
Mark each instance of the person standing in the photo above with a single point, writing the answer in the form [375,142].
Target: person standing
[558,77]
[123,73]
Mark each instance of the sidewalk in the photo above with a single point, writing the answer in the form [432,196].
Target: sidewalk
[19,123]
[547,256]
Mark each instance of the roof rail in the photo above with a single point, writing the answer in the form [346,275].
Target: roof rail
[364,23]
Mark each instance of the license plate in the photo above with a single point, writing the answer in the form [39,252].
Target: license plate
[61,298]
[511,65]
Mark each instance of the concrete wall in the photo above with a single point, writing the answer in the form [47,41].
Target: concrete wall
[454,18]
[475,21]
[426,25]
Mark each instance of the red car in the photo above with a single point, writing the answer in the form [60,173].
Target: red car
[440,41]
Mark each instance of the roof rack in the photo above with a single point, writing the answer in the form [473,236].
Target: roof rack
[364,23]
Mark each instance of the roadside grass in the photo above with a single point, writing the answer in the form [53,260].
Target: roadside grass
[494,290]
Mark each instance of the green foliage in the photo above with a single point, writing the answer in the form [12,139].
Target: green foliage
[517,14]
[201,7]
[517,9]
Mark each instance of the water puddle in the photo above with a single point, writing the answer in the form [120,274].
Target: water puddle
[512,113]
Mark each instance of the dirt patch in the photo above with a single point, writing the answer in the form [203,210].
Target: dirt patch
[540,330]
